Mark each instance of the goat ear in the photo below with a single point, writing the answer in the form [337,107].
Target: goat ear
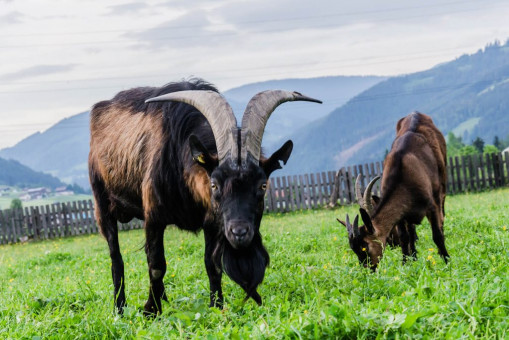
[367,221]
[272,163]
[341,221]
[201,156]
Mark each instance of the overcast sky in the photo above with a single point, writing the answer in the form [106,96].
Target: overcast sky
[57,58]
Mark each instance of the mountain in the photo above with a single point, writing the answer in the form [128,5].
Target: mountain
[62,150]
[468,95]
[287,118]
[13,173]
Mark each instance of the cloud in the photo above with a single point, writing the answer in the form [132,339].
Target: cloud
[35,71]
[188,30]
[127,8]
[11,18]
[285,15]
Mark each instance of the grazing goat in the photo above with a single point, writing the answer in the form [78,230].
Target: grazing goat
[402,235]
[181,159]
[413,186]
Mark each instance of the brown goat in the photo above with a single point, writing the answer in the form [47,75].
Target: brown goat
[413,186]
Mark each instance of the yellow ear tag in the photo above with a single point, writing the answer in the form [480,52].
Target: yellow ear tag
[200,159]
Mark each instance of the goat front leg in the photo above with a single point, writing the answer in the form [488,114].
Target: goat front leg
[154,249]
[214,273]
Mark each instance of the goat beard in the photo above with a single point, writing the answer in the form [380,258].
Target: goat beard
[245,266]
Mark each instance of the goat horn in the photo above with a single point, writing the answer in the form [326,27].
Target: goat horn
[256,115]
[358,192]
[356,232]
[218,113]
[367,196]
[349,226]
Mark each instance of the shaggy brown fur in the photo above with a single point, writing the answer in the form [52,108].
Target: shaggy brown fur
[413,186]
[143,164]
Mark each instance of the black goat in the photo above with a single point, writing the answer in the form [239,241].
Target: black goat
[187,163]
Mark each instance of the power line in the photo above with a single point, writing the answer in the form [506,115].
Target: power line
[243,75]
[223,34]
[299,18]
[401,57]
[358,98]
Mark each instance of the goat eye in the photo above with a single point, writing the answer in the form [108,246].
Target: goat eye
[213,186]
[263,186]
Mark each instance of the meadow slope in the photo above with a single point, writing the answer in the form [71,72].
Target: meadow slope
[314,287]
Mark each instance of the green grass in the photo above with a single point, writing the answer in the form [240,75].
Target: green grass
[314,287]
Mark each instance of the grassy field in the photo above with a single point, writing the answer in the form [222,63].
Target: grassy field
[314,287]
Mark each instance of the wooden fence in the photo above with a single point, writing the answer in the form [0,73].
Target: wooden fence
[465,173]
[286,193]
[51,221]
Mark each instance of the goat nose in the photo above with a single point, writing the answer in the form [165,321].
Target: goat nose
[239,231]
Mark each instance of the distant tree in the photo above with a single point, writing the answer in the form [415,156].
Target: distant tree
[16,204]
[76,188]
[505,143]
[497,143]
[478,143]
[468,150]
[488,148]
[454,144]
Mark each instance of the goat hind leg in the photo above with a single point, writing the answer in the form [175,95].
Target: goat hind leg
[110,231]
[434,219]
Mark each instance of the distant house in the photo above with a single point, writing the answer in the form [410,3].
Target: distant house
[4,190]
[506,150]
[37,193]
[25,197]
[62,191]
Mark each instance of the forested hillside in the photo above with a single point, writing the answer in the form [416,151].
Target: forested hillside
[12,173]
[468,96]
[62,150]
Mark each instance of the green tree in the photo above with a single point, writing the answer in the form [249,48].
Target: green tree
[488,148]
[76,188]
[454,144]
[16,204]
[478,143]
[468,150]
[497,143]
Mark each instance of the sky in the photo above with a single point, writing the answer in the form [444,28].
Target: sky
[59,57]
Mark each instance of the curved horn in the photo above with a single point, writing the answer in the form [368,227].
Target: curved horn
[358,192]
[256,115]
[353,230]
[218,113]
[367,196]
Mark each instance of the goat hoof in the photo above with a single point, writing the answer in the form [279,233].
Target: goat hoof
[150,310]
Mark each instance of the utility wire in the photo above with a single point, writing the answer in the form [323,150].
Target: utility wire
[299,18]
[358,98]
[225,34]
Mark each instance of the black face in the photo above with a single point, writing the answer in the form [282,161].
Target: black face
[360,246]
[237,197]
[237,193]
[358,243]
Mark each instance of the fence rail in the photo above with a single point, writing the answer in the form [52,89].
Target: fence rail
[464,173]
[287,193]
[51,221]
